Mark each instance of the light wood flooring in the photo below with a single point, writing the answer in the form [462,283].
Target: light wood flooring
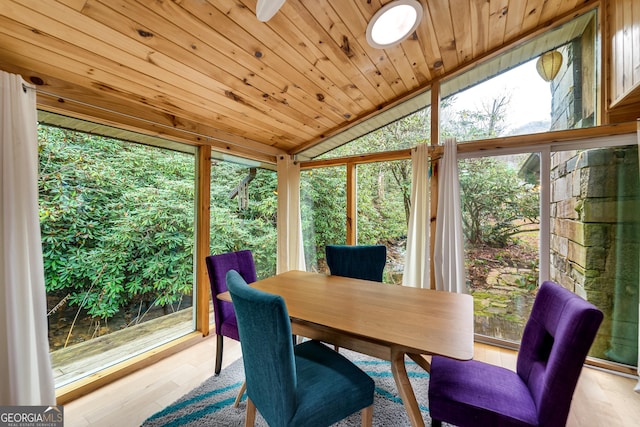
[601,399]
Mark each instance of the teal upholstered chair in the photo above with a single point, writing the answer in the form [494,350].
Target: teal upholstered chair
[304,385]
[364,262]
[358,261]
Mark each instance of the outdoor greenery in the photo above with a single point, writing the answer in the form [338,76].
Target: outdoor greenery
[250,226]
[116,221]
[117,225]
[117,218]
[323,211]
[485,121]
[496,203]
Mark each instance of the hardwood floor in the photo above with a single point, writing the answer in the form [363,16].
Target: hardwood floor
[132,399]
[601,398]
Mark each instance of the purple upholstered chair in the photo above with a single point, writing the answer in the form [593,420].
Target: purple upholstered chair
[555,343]
[225,316]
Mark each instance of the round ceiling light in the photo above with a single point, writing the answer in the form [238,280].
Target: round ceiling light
[393,23]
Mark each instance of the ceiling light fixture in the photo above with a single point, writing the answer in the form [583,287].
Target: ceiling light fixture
[393,23]
[265,9]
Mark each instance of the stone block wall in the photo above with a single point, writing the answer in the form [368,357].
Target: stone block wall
[573,90]
[595,210]
[595,240]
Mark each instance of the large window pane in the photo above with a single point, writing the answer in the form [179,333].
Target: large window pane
[515,102]
[244,205]
[500,215]
[402,126]
[509,96]
[595,240]
[384,201]
[403,133]
[323,206]
[117,222]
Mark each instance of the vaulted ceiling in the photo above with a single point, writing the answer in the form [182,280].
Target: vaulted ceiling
[208,72]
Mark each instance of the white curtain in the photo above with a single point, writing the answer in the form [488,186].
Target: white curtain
[25,367]
[417,269]
[449,243]
[290,254]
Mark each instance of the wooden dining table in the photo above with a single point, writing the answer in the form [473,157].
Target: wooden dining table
[381,320]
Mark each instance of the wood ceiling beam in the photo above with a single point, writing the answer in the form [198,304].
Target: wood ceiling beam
[509,142]
[94,106]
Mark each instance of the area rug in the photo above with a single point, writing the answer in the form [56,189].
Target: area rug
[211,404]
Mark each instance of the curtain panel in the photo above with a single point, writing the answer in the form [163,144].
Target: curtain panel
[449,242]
[25,367]
[290,252]
[417,268]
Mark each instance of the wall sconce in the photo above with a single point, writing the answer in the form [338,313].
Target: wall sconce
[549,64]
[393,22]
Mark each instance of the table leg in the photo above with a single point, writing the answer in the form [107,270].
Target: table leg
[421,361]
[404,388]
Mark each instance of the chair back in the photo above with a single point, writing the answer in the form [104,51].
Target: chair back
[218,266]
[267,349]
[359,262]
[555,343]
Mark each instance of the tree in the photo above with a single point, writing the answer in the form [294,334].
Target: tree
[472,124]
[404,133]
[118,218]
[323,211]
[496,203]
[252,227]
[116,221]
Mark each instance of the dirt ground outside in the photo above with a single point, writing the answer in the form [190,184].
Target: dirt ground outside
[503,282]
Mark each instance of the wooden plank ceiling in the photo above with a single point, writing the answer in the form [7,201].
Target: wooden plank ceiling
[208,72]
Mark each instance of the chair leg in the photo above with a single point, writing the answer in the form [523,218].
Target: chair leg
[436,423]
[250,418]
[240,393]
[367,416]
[218,354]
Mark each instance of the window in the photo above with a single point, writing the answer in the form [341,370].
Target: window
[500,203]
[117,224]
[507,96]
[404,132]
[323,207]
[383,205]
[567,213]
[244,204]
[595,238]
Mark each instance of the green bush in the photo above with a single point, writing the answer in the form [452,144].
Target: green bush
[116,221]
[496,203]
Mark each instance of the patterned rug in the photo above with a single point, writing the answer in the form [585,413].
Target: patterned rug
[211,403]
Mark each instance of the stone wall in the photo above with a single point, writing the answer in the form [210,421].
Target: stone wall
[595,239]
[595,210]
[573,90]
